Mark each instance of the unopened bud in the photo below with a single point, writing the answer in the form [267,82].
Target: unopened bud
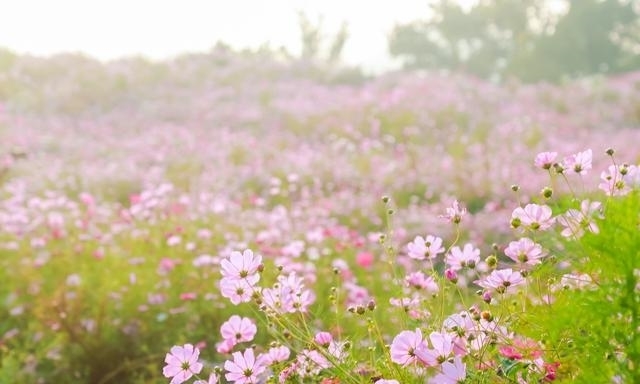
[547,192]
[610,151]
[385,199]
[371,305]
[515,187]
[451,275]
[558,168]
[624,169]
[492,261]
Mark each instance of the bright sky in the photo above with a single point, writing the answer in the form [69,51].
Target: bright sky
[108,29]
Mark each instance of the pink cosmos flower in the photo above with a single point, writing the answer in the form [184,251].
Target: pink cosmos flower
[619,180]
[173,240]
[521,348]
[238,291]
[287,372]
[459,323]
[576,222]
[182,363]
[188,296]
[533,216]
[238,329]
[289,295]
[407,303]
[545,160]
[364,259]
[441,349]
[406,346]
[480,341]
[244,369]
[242,266]
[575,281]
[337,350]
[468,257]
[501,280]
[452,373]
[419,280]
[166,265]
[275,355]
[421,248]
[460,326]
[524,251]
[225,346]
[356,294]
[455,212]
[551,370]
[311,362]
[323,338]
[580,162]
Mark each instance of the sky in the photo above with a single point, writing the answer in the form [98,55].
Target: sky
[160,29]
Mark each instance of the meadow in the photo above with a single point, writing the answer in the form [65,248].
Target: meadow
[239,218]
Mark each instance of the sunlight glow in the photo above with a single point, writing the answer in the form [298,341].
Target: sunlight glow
[160,29]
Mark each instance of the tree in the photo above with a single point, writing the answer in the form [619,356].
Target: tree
[313,40]
[529,39]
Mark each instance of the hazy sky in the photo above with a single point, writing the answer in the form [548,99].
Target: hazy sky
[162,28]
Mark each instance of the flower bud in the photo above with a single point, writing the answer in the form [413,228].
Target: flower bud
[451,275]
[371,305]
[558,168]
[624,169]
[492,261]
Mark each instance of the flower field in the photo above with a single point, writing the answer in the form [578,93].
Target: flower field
[228,218]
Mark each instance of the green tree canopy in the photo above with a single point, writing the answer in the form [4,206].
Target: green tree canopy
[529,39]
